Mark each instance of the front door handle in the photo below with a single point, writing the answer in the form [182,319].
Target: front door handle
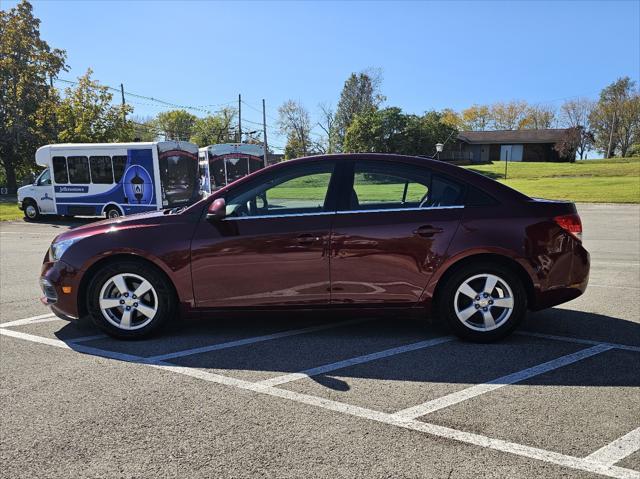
[308,238]
[427,231]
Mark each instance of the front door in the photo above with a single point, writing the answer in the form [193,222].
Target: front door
[392,233]
[272,249]
[42,191]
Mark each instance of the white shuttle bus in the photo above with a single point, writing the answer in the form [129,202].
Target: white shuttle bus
[112,179]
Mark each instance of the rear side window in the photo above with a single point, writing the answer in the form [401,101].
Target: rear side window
[101,171]
[78,169]
[60,169]
[119,162]
[476,197]
[444,192]
[378,185]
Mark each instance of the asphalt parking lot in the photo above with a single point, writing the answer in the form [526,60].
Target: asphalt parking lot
[313,396]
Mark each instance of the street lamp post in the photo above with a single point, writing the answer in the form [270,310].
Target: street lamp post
[439,147]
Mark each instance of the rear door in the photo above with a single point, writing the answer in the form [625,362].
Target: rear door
[273,247]
[391,232]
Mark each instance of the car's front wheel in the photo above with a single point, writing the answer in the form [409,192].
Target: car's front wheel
[483,302]
[130,299]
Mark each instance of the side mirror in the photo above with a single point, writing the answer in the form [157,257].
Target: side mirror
[217,209]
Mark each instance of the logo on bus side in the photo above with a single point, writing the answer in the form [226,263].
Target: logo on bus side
[71,189]
[137,184]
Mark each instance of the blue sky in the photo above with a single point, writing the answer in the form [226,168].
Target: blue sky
[432,54]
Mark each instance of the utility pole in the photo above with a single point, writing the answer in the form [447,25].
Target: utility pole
[124,112]
[264,132]
[239,118]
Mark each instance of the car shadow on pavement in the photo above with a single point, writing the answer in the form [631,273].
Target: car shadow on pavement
[450,362]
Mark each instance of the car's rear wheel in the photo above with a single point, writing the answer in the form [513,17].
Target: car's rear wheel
[31,211]
[483,302]
[130,299]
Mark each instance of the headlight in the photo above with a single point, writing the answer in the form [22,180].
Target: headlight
[58,248]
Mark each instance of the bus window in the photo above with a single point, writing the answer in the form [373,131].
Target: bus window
[78,169]
[101,170]
[60,169]
[119,162]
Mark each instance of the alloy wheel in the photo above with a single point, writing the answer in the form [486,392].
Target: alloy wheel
[128,301]
[483,302]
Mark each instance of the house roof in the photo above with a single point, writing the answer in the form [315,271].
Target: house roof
[511,136]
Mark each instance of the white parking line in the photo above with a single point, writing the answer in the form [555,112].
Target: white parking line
[569,339]
[618,449]
[433,429]
[67,345]
[252,340]
[473,391]
[43,318]
[287,378]
[336,406]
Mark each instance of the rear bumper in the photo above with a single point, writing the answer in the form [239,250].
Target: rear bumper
[59,283]
[565,278]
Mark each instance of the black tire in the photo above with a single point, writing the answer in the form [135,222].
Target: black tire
[31,210]
[164,300]
[112,212]
[447,302]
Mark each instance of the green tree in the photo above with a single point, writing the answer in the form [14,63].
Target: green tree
[214,129]
[390,131]
[360,95]
[28,101]
[86,114]
[615,119]
[176,124]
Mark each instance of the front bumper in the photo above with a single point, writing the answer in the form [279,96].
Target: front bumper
[60,282]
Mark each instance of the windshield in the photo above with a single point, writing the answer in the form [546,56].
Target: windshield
[180,179]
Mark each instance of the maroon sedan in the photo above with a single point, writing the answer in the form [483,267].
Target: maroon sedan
[339,231]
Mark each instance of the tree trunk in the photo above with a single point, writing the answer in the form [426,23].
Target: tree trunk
[10,171]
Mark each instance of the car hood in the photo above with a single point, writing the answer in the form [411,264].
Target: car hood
[140,220]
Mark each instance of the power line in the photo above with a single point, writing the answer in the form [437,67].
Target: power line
[144,97]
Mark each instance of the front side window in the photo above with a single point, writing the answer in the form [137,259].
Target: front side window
[45,178]
[380,185]
[291,191]
[60,169]
[78,169]
[101,170]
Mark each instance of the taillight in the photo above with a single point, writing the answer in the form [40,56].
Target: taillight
[571,224]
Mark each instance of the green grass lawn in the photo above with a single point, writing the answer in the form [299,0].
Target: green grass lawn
[10,211]
[592,181]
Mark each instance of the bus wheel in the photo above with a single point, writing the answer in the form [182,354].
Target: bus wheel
[31,212]
[112,213]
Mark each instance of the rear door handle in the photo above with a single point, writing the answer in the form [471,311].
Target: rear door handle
[308,238]
[427,231]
